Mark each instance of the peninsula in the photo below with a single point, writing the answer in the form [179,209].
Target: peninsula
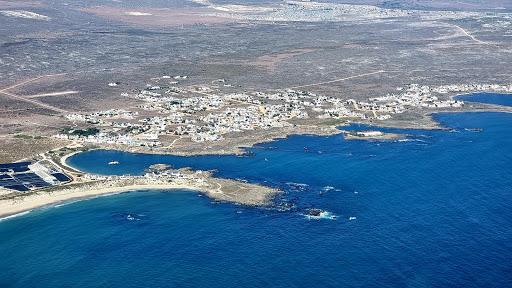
[84,185]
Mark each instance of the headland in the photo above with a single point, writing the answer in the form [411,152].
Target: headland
[84,185]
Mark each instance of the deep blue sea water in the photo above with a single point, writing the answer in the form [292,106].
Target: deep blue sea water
[432,211]
[489,98]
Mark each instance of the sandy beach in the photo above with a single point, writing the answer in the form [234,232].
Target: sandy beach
[13,206]
[218,189]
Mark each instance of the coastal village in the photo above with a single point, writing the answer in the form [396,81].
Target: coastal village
[202,114]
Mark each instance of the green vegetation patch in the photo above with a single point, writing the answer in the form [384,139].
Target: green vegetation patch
[81,132]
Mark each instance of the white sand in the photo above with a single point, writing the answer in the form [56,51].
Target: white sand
[18,205]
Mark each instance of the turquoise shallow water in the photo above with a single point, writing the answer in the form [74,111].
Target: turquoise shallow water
[432,211]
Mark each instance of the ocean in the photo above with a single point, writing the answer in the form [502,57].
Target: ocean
[431,210]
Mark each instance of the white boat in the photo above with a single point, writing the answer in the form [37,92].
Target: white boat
[113,162]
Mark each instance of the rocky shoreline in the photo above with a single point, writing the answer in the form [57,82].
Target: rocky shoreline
[86,185]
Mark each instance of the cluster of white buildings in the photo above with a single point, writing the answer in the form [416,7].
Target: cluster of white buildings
[252,117]
[312,11]
[415,96]
[177,177]
[113,138]
[198,177]
[97,117]
[208,117]
[473,88]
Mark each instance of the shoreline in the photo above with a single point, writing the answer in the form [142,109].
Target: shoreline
[21,204]
[242,149]
[218,189]
[27,203]
[425,122]
[63,160]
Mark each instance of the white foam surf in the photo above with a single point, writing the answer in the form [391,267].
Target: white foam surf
[15,215]
[323,215]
